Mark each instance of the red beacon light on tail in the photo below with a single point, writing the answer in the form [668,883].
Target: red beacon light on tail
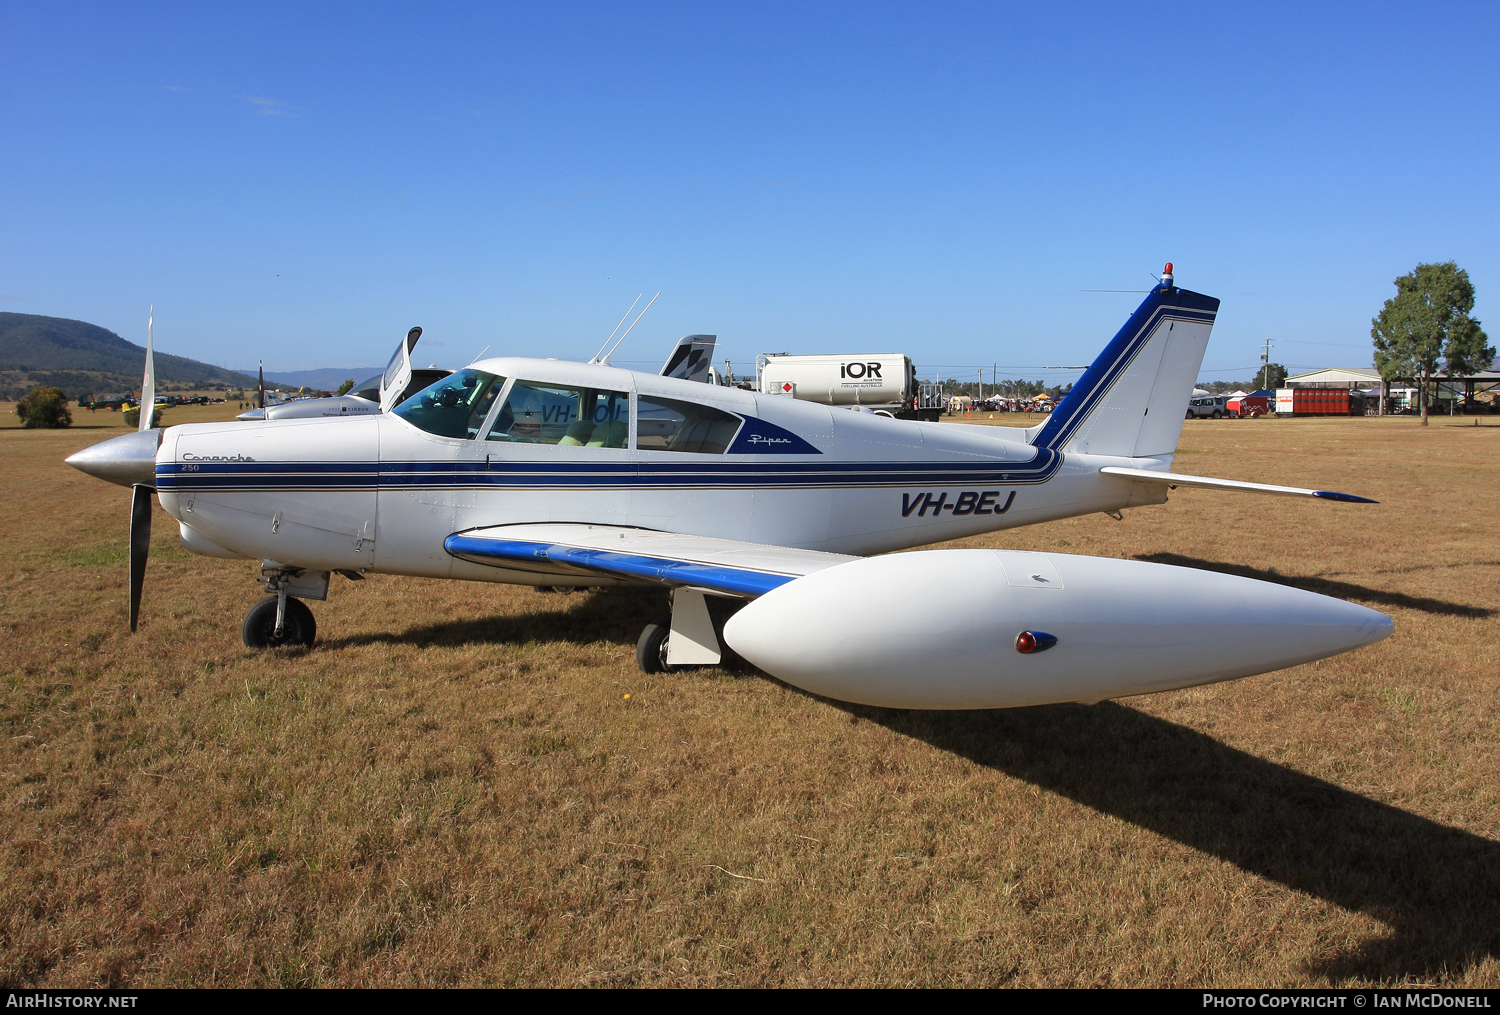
[1166,274]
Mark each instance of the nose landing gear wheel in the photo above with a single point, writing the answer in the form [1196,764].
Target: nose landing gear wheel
[298,628]
[651,649]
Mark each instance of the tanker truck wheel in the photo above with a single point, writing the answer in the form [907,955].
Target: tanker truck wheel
[651,648]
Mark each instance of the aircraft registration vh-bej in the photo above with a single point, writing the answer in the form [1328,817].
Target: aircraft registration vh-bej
[543,472]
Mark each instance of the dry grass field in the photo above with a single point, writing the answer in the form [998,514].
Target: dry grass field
[472,784]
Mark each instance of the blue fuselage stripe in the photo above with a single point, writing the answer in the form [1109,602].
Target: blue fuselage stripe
[271,476]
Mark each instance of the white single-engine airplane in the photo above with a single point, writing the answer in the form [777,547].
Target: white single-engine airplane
[535,471]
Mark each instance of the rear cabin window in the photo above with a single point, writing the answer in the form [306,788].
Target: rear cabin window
[665,424]
[565,416]
[454,406]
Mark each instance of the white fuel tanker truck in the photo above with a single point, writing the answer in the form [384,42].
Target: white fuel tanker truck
[883,382]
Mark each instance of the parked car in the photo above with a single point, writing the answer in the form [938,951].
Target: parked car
[1215,406]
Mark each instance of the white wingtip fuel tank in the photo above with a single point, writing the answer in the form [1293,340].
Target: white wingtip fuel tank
[1032,628]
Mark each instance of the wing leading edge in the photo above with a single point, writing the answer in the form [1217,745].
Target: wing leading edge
[724,566]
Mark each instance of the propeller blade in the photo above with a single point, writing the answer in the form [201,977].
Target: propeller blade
[148,380]
[140,545]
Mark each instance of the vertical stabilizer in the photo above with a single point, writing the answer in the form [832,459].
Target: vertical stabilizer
[691,358]
[1133,399]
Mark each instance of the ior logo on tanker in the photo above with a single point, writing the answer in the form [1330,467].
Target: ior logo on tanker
[968,502]
[860,370]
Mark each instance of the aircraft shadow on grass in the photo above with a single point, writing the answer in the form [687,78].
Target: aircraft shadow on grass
[1437,888]
[586,617]
[1327,586]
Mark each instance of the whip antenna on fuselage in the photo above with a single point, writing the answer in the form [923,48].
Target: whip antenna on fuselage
[481,353]
[600,353]
[628,330]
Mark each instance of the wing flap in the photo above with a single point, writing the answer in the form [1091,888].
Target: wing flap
[1210,483]
[664,558]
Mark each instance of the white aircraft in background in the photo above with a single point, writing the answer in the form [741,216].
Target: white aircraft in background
[366,398]
[691,359]
[535,471]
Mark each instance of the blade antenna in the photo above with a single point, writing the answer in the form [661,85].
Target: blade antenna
[629,330]
[617,328]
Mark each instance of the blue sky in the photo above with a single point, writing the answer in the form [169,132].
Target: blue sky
[936,179]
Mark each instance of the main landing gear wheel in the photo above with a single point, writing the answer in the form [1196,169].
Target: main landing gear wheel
[651,648]
[297,629]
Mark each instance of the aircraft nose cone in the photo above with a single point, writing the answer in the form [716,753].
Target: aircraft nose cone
[124,460]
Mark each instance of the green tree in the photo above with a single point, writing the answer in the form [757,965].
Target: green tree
[1271,376]
[344,388]
[44,407]
[132,416]
[1426,329]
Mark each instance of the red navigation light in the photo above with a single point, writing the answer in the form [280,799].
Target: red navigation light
[1028,642]
[1168,269]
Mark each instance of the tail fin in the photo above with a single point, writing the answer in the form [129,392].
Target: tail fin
[1132,400]
[691,358]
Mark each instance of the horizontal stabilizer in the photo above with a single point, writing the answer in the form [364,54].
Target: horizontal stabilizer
[639,555]
[1208,482]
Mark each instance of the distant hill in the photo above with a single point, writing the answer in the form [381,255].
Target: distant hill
[323,379]
[83,358]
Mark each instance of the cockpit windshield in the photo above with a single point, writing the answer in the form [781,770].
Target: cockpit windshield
[369,389]
[454,406]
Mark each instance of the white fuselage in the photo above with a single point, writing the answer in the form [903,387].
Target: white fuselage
[380,494]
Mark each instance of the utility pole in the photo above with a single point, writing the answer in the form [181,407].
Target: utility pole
[1265,366]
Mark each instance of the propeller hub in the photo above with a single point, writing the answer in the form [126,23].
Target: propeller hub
[126,460]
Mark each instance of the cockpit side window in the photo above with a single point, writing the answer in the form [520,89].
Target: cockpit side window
[559,414]
[454,406]
[666,424]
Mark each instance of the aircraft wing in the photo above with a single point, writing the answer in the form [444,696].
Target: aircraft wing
[725,566]
[1208,482]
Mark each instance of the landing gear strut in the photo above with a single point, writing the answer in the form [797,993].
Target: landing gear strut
[279,620]
[687,639]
